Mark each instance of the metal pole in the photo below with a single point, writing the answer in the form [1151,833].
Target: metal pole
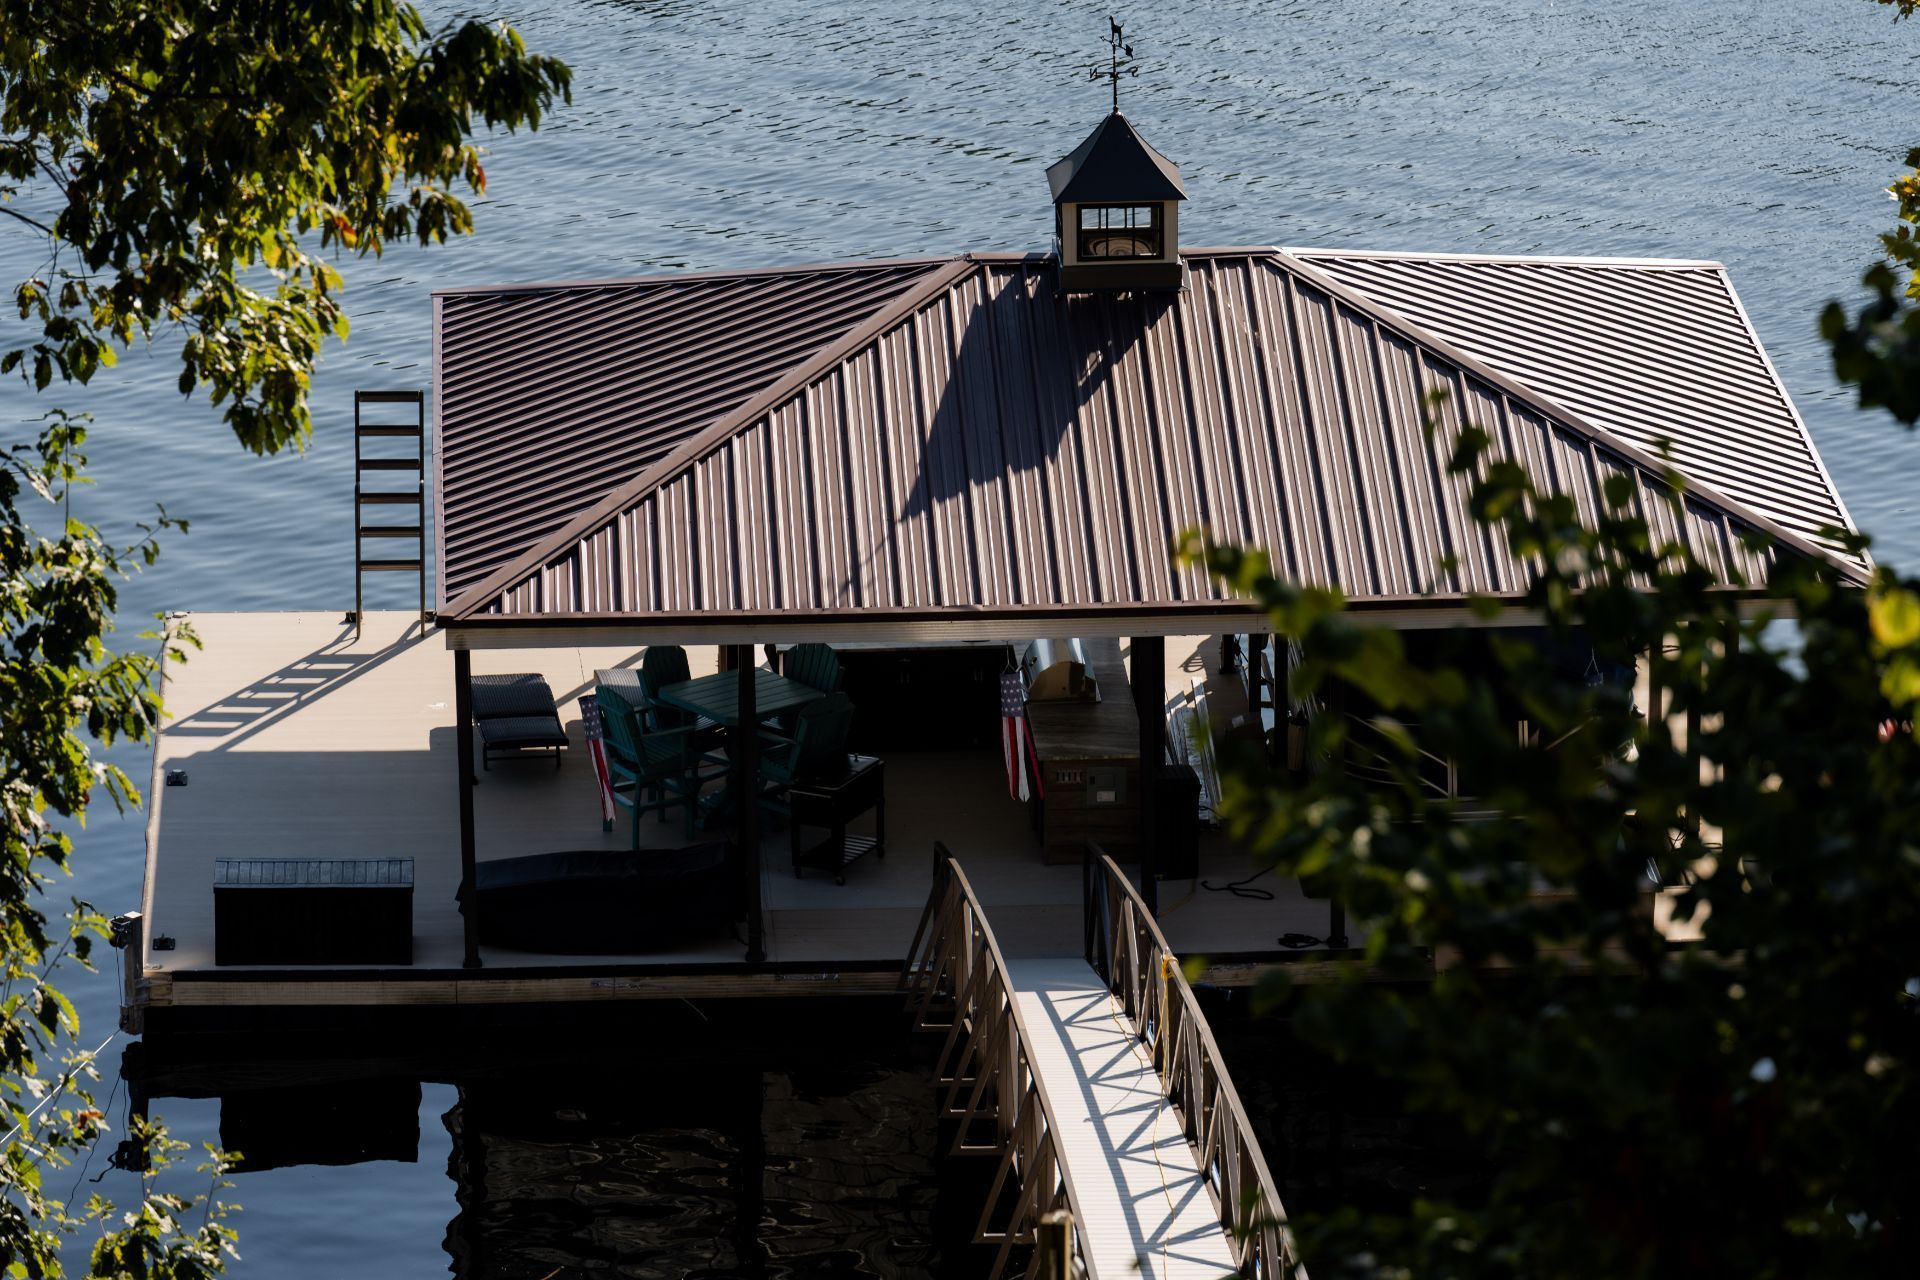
[1256,680]
[746,786]
[359,606]
[463,753]
[420,450]
[1336,925]
[1695,671]
[1150,706]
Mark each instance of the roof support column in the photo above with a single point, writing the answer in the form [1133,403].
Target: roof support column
[1149,680]
[746,786]
[463,761]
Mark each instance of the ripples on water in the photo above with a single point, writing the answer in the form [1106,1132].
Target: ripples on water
[730,134]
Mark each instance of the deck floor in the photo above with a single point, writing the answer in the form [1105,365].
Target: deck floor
[298,741]
[1143,1207]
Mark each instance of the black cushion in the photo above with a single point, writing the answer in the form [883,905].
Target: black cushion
[502,697]
[604,902]
[524,731]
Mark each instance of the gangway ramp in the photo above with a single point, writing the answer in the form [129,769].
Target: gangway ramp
[1144,1207]
[1098,1086]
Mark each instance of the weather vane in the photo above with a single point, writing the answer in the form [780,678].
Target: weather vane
[1119,61]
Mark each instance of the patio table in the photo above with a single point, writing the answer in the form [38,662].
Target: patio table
[717,697]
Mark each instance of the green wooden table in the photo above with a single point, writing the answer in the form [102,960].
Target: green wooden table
[717,697]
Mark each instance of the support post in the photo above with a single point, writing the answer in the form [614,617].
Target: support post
[1694,636]
[746,786]
[129,938]
[1053,1241]
[1257,681]
[1150,706]
[463,761]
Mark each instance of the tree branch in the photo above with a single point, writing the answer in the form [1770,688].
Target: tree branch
[37,226]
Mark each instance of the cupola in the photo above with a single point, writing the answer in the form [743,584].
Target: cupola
[1117,212]
[1116,201]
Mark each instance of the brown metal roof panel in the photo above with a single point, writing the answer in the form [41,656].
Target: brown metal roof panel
[1001,448]
[1646,351]
[548,397]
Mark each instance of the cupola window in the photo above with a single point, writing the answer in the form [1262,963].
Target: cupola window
[1120,231]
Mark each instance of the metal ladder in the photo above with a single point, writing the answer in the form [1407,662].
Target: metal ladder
[363,498]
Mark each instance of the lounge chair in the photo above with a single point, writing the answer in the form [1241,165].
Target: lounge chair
[515,714]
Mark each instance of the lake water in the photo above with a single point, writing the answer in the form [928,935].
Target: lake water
[709,135]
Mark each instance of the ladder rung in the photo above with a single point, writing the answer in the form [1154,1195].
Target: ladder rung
[389,530]
[389,499]
[385,431]
[388,464]
[389,397]
[388,566]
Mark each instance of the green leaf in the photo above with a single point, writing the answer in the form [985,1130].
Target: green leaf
[1895,615]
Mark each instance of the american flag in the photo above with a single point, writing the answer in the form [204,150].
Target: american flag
[596,747]
[1016,742]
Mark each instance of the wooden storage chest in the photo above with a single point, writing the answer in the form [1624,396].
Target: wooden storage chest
[1090,765]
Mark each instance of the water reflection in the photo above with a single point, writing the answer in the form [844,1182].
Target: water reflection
[750,1140]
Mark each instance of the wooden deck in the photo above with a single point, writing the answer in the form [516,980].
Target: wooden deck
[298,742]
[1144,1207]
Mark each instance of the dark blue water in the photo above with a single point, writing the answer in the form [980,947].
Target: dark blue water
[709,135]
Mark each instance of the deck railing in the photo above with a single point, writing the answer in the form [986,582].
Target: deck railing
[1126,947]
[956,982]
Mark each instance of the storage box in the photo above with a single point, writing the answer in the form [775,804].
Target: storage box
[313,911]
[1090,766]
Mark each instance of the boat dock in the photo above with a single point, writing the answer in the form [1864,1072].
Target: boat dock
[292,739]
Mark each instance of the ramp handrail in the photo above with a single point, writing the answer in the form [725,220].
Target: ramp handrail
[1127,949]
[985,1077]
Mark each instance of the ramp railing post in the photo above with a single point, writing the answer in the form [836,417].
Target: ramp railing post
[1054,1238]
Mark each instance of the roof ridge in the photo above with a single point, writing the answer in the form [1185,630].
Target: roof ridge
[686,277]
[1551,408]
[792,382]
[1793,410]
[1509,259]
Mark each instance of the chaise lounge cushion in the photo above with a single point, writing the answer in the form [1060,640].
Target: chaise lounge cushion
[515,713]
[602,902]
[523,731]
[500,697]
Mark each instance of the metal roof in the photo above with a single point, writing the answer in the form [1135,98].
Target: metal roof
[1114,165]
[547,396]
[1650,350]
[984,448]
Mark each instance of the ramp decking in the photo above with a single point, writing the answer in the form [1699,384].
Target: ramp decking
[1143,1206]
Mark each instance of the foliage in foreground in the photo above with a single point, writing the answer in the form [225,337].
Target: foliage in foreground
[182,168]
[1742,1105]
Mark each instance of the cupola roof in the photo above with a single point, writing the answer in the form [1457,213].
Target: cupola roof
[1115,165]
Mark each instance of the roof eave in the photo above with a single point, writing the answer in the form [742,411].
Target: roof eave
[959,625]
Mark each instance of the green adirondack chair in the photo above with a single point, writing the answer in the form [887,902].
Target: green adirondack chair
[663,665]
[652,770]
[815,665]
[817,748]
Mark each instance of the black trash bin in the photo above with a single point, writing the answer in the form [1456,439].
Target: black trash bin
[1176,823]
